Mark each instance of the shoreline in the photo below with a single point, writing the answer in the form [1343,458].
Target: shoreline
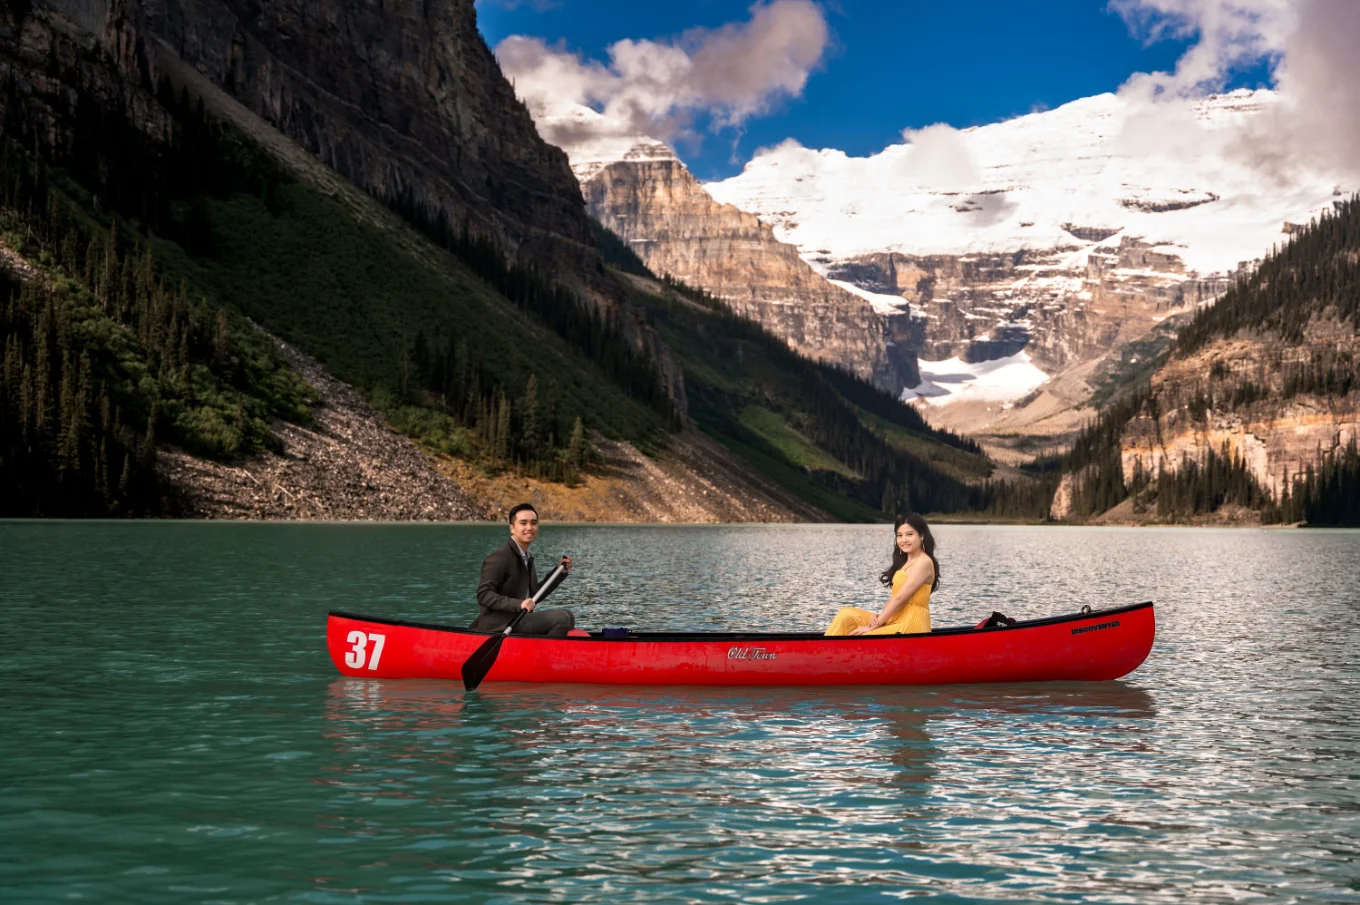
[944,520]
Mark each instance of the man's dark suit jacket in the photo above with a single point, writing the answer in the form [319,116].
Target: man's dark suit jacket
[504,585]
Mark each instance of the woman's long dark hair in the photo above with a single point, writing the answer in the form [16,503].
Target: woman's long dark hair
[899,558]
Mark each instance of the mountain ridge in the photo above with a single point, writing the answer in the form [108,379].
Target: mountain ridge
[1065,237]
[659,209]
[480,358]
[1255,415]
[640,190]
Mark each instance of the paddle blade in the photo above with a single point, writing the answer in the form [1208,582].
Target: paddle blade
[479,664]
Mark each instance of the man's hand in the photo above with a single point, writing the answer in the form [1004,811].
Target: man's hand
[527,604]
[566,563]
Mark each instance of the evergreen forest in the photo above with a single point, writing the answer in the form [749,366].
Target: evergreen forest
[153,260]
[866,453]
[157,264]
[1303,306]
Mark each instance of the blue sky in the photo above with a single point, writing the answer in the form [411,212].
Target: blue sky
[890,66]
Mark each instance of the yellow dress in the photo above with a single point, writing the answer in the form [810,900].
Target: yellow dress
[914,616]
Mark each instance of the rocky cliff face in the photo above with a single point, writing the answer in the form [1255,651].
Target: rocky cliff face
[1231,396]
[661,210]
[1206,402]
[37,40]
[402,97]
[1064,306]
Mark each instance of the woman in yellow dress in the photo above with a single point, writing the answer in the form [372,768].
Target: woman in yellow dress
[913,576]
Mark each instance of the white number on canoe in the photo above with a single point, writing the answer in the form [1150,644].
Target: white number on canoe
[358,652]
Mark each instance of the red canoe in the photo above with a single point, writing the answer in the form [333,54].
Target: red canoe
[1090,646]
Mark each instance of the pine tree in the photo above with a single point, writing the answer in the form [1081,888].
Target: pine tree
[501,431]
[576,450]
[222,340]
[531,439]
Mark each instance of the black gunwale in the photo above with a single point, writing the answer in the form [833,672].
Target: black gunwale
[758,636]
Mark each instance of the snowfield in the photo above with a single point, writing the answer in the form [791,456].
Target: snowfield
[1002,380]
[1077,184]
[883,304]
[1175,175]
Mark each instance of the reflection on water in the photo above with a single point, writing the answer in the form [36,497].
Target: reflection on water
[174,732]
[724,787]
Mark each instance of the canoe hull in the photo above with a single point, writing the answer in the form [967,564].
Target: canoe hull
[1095,647]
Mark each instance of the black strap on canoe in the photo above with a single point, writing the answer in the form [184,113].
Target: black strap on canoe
[996,620]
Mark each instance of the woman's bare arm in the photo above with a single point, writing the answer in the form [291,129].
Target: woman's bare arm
[920,572]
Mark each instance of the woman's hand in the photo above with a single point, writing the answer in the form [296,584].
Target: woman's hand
[865,629]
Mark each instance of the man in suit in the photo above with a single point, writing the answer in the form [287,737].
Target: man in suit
[509,581]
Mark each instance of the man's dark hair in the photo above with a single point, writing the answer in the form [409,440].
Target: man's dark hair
[520,508]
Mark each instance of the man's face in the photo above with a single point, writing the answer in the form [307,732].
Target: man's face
[525,527]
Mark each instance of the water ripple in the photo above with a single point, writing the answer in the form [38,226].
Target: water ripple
[175,733]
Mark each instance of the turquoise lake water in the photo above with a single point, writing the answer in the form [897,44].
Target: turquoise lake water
[173,731]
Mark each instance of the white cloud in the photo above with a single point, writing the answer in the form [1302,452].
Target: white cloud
[1231,34]
[656,87]
[940,159]
[1311,47]
[1317,122]
[1168,128]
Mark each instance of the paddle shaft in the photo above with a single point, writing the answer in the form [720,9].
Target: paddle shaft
[479,664]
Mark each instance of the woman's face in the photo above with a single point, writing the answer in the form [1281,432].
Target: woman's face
[908,541]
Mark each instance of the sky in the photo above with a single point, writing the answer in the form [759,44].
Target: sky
[879,67]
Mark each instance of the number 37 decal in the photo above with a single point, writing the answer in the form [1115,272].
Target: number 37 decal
[355,656]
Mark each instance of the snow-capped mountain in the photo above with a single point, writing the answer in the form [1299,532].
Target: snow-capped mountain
[1035,248]
[638,188]
[1050,240]
[1083,176]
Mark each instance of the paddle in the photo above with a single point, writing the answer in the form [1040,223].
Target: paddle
[479,664]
